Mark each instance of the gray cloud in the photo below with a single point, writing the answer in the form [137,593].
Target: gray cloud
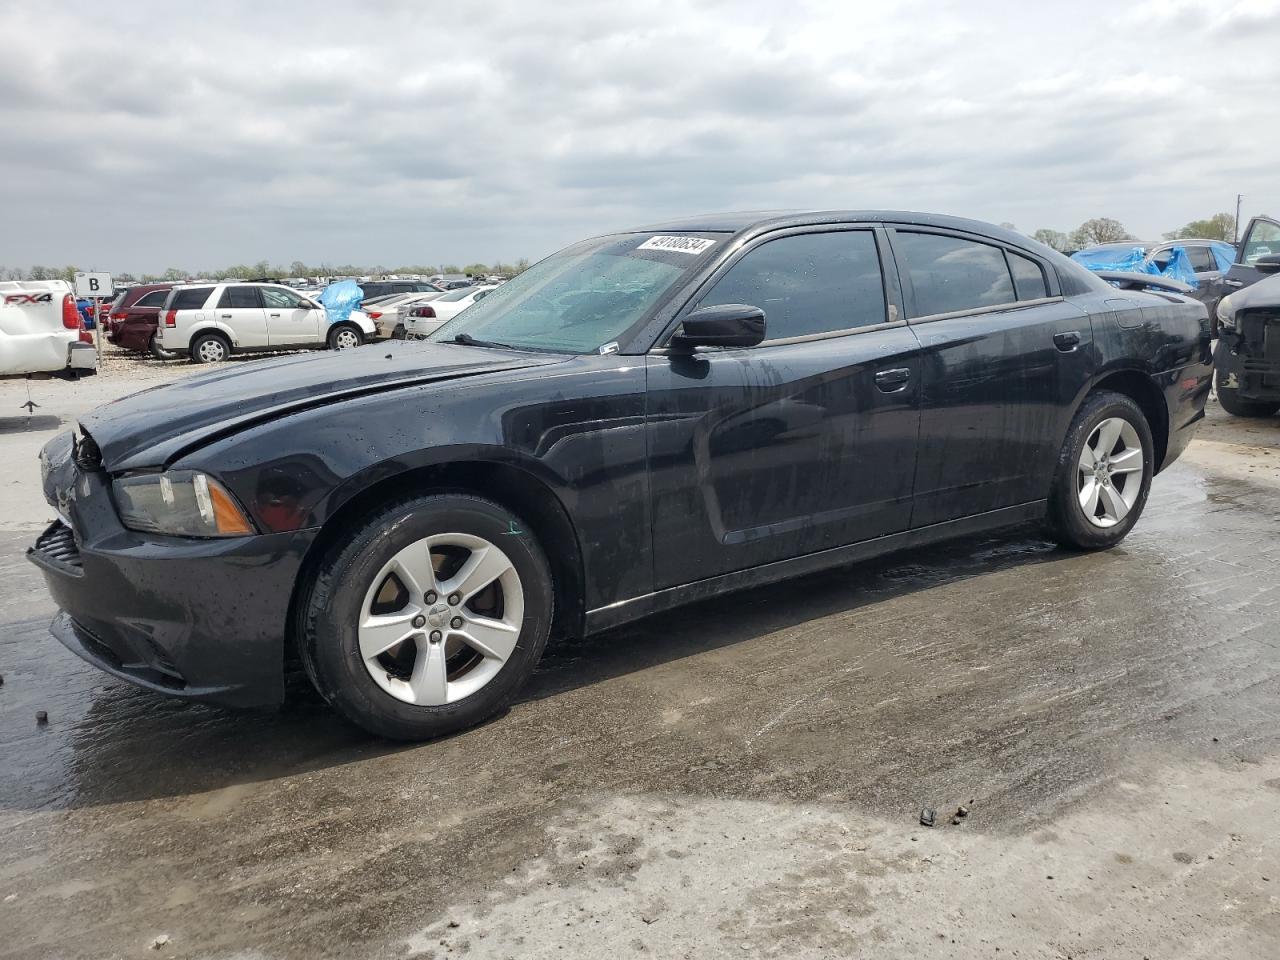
[155,135]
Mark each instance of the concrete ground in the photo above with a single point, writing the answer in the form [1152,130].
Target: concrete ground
[742,777]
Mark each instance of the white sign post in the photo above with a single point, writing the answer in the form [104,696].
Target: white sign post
[95,287]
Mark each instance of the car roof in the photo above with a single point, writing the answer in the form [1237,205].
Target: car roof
[758,221]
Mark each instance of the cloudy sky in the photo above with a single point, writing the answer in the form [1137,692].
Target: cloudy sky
[138,136]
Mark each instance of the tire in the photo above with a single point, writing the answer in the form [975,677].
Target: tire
[1114,479]
[159,352]
[374,588]
[344,336]
[1225,372]
[210,348]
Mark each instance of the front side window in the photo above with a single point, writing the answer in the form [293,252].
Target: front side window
[808,284]
[1028,277]
[949,274]
[1202,260]
[1263,241]
[239,298]
[584,297]
[276,298]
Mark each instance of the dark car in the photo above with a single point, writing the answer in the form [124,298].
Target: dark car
[1206,263]
[641,420]
[134,317]
[1246,362]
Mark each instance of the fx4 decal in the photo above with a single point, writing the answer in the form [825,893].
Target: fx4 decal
[16,298]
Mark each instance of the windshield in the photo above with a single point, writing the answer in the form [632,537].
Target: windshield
[582,298]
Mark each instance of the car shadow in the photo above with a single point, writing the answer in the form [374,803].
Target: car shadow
[131,745]
[32,424]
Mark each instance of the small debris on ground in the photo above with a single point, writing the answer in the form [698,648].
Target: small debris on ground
[160,941]
[962,811]
[42,717]
[927,816]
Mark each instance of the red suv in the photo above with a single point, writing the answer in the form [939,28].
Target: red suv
[134,316]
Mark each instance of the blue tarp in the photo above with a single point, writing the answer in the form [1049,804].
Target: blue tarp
[1224,253]
[339,299]
[1135,261]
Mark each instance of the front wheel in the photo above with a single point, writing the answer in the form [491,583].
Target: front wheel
[1103,473]
[1226,384]
[345,337]
[428,617]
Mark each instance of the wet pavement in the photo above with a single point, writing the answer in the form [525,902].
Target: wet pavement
[742,777]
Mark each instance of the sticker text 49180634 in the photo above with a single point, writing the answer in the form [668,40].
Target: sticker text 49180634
[691,245]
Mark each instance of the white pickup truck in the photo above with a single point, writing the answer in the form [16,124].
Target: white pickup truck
[41,331]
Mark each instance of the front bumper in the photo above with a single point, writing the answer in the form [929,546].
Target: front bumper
[198,619]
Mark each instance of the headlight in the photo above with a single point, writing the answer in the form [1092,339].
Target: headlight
[1225,314]
[181,503]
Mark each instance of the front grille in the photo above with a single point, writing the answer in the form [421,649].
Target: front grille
[57,546]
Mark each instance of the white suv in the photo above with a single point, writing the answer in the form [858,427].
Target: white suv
[211,321]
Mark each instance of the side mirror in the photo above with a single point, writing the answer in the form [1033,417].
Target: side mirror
[723,325]
[1268,264]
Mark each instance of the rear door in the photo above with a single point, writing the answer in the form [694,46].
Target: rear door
[289,321]
[1004,357]
[1261,239]
[804,442]
[240,309]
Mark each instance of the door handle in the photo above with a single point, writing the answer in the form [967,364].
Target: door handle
[275,314]
[891,381]
[226,316]
[1232,283]
[1067,342]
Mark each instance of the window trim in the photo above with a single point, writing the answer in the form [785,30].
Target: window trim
[892,304]
[1052,284]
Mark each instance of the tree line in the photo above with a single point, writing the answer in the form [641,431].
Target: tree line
[263,268]
[1221,226]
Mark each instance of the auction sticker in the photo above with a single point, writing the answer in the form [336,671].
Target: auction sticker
[691,245]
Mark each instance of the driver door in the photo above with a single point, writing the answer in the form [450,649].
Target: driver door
[289,319]
[1261,239]
[802,443]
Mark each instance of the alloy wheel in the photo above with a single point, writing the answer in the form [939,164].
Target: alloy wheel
[345,340]
[1110,472]
[441,618]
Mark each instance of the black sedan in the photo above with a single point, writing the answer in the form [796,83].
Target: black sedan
[640,420]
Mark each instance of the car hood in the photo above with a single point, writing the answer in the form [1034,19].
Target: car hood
[156,426]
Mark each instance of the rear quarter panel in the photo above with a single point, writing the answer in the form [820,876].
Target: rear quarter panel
[1165,337]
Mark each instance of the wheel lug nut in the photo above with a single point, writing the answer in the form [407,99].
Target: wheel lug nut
[419,621]
[436,636]
[454,599]
[456,623]
[431,596]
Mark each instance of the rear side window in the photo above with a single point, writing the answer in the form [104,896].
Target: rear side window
[949,274]
[1202,260]
[192,299]
[807,284]
[239,297]
[155,298]
[1028,277]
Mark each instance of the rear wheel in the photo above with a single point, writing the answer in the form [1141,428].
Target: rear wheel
[1226,384]
[1103,474]
[210,348]
[345,337]
[429,617]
